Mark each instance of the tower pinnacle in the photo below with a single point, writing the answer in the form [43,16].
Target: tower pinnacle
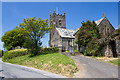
[104,15]
[54,11]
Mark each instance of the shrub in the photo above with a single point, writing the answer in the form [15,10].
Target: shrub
[88,31]
[48,50]
[14,53]
[94,48]
[1,51]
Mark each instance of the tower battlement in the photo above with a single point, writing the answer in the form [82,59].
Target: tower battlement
[54,14]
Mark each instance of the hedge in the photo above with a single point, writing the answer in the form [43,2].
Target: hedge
[20,52]
[50,49]
[14,53]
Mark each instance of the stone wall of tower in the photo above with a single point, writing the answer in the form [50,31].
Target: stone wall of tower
[105,27]
[58,20]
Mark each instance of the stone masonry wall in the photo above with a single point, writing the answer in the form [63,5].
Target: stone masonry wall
[55,38]
[105,27]
[118,47]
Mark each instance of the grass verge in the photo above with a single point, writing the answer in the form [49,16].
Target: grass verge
[52,62]
[114,61]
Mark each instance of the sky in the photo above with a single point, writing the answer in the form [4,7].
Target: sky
[60,0]
[13,13]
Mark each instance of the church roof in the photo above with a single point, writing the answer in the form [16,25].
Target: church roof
[99,21]
[66,32]
[118,27]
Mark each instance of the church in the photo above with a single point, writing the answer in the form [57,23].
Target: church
[65,38]
[59,35]
[105,27]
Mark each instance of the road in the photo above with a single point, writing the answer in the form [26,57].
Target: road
[92,68]
[8,70]
[88,68]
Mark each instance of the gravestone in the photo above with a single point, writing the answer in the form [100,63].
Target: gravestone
[108,52]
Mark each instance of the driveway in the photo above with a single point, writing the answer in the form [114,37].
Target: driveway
[8,70]
[92,68]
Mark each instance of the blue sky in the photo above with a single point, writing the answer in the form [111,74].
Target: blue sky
[13,13]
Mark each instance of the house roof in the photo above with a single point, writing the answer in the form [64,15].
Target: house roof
[66,32]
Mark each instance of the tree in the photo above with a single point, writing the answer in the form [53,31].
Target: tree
[36,29]
[87,32]
[13,38]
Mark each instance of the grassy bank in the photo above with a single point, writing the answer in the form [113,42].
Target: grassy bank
[115,62]
[52,62]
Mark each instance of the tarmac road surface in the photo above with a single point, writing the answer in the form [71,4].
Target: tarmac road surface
[92,68]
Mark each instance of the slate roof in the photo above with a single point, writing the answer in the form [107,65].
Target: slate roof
[66,32]
[70,33]
[118,27]
[98,21]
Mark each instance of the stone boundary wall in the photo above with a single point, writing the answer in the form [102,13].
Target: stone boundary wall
[118,47]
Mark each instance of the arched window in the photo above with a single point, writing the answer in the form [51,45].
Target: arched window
[108,31]
[105,30]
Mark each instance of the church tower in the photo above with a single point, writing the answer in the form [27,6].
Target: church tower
[57,20]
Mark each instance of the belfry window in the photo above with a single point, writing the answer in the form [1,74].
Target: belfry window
[60,22]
